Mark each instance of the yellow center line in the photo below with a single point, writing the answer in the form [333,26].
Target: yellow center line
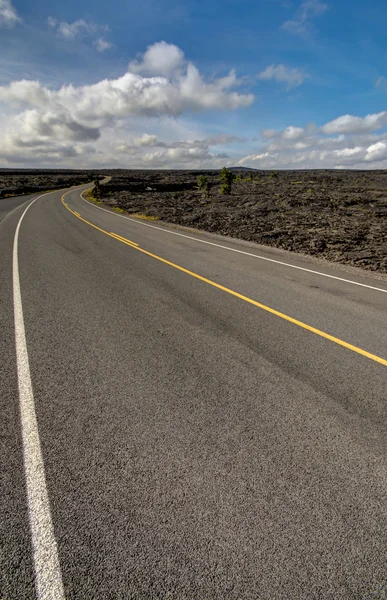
[268,309]
[122,239]
[78,215]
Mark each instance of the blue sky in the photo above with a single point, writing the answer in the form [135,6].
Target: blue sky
[158,84]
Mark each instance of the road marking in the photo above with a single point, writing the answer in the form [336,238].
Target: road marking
[278,262]
[111,234]
[268,309]
[122,239]
[48,577]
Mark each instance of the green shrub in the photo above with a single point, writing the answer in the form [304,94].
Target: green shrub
[97,189]
[202,184]
[226,178]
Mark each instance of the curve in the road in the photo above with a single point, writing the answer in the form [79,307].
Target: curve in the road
[277,313]
[272,260]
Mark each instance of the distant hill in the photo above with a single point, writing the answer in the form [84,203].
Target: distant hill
[242,169]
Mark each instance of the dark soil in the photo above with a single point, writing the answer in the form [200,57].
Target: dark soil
[337,215]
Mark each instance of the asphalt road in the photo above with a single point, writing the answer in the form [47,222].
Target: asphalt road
[198,434]
[7,205]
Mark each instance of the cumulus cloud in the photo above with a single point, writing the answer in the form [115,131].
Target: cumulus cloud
[24,92]
[8,14]
[80,29]
[303,17]
[33,127]
[132,94]
[148,151]
[267,134]
[147,140]
[292,133]
[345,142]
[351,124]
[293,77]
[377,151]
[80,114]
[159,59]
[195,156]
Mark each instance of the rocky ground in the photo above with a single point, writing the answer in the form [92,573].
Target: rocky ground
[27,181]
[337,215]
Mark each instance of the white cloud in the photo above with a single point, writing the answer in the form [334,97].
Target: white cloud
[292,133]
[101,44]
[190,157]
[293,77]
[146,140]
[304,15]
[159,59]
[292,148]
[8,14]
[342,143]
[80,29]
[252,159]
[181,153]
[132,94]
[267,134]
[377,151]
[69,31]
[36,127]
[351,124]
[349,151]
[43,117]
[148,151]
[24,92]
[379,81]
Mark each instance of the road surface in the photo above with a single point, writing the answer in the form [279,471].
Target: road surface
[185,417]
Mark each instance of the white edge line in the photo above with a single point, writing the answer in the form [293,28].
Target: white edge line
[48,577]
[279,262]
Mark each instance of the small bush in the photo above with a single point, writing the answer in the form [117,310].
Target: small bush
[202,184]
[97,189]
[226,178]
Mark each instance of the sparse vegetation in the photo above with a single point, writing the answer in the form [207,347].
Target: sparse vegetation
[89,195]
[312,212]
[97,189]
[145,217]
[316,212]
[226,179]
[203,185]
